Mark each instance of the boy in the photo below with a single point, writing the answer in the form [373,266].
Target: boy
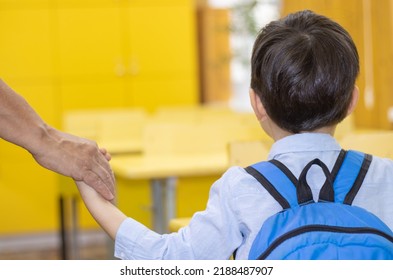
[304,68]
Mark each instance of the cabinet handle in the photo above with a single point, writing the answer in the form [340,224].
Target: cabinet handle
[133,68]
[120,69]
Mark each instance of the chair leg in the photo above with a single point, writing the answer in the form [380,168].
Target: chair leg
[63,238]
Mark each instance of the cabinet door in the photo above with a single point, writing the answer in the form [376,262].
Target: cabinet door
[152,93]
[26,49]
[162,53]
[25,3]
[89,41]
[28,192]
[90,54]
[161,38]
[43,97]
[91,93]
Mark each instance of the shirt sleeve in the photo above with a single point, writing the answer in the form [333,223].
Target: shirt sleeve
[212,234]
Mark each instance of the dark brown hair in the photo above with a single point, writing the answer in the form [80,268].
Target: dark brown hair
[304,68]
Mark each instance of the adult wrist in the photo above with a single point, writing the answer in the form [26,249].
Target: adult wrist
[43,138]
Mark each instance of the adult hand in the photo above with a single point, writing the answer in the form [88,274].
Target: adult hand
[66,154]
[78,158]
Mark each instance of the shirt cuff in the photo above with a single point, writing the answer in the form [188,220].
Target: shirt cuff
[127,238]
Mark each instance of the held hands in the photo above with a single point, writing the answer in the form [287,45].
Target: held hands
[66,154]
[78,158]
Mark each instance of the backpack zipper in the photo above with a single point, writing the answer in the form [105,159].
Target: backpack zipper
[325,228]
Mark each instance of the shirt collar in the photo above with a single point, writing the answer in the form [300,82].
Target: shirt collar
[302,142]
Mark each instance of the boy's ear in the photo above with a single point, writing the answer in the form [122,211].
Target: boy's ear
[257,105]
[354,100]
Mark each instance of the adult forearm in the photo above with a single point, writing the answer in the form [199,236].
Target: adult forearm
[19,123]
[53,149]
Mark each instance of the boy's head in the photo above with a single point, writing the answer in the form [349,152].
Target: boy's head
[303,68]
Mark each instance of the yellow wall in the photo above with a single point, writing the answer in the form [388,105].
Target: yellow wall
[370,24]
[74,54]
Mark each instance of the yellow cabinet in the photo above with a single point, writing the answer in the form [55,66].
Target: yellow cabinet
[27,50]
[161,54]
[89,54]
[28,196]
[89,41]
[25,3]
[161,38]
[91,94]
[127,53]
[154,92]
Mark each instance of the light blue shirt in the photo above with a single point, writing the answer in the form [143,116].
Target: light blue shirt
[238,205]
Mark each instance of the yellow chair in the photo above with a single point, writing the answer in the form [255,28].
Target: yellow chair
[121,131]
[118,130]
[347,126]
[178,223]
[244,153]
[208,134]
[193,113]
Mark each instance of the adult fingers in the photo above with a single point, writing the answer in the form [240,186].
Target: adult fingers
[95,181]
[106,154]
[103,170]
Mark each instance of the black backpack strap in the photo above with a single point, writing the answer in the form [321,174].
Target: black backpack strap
[281,184]
[359,180]
[327,192]
[362,162]
[348,174]
[339,162]
[341,185]
[303,189]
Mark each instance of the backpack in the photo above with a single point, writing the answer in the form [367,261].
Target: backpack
[331,228]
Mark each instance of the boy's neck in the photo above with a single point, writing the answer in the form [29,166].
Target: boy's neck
[279,133]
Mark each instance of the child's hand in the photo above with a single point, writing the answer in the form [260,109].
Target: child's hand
[88,193]
[105,212]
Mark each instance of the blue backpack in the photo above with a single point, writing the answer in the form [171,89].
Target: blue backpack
[328,229]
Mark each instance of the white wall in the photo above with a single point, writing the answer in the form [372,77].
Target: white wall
[242,41]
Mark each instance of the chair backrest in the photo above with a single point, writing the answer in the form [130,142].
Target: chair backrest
[81,123]
[121,131]
[166,138]
[194,113]
[347,126]
[118,130]
[172,138]
[378,143]
[245,153]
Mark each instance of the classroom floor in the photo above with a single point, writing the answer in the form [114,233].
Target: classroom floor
[94,252]
[91,246]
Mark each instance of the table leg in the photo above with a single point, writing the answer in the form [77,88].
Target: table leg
[170,200]
[63,235]
[157,187]
[74,229]
[68,224]
[164,203]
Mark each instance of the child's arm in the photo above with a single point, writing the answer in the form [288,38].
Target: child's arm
[107,215]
